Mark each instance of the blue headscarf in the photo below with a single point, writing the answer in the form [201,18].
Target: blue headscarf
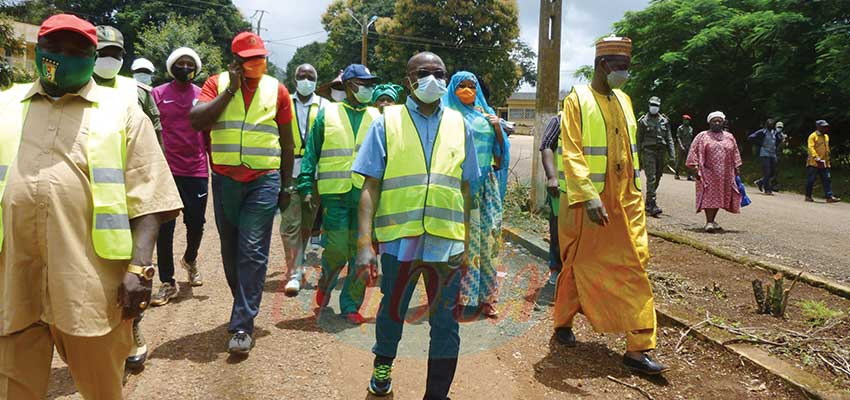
[476,121]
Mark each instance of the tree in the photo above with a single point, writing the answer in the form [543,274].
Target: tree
[344,34]
[157,40]
[584,73]
[221,19]
[753,59]
[526,58]
[315,54]
[465,38]
[9,73]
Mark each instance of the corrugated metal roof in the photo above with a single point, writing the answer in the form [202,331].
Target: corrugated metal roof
[523,96]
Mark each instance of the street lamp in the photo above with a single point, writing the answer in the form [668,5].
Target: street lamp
[364,31]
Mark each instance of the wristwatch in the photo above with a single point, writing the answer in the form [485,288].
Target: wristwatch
[289,189]
[147,271]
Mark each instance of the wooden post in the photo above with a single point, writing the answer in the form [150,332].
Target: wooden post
[548,88]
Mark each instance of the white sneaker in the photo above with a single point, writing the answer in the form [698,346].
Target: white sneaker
[294,285]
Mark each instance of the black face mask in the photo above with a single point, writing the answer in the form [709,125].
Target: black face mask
[183,74]
[716,127]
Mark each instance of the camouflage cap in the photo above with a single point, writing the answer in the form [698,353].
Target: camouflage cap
[109,36]
[655,100]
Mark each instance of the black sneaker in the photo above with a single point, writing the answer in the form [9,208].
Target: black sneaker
[381,383]
[240,343]
[644,365]
[565,336]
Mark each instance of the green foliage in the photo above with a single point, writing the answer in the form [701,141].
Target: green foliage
[10,42]
[157,40]
[817,313]
[584,73]
[466,38]
[218,21]
[345,36]
[315,54]
[526,59]
[753,59]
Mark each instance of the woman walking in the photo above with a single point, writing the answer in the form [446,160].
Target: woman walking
[716,161]
[479,285]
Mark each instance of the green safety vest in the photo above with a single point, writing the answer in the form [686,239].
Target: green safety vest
[415,199]
[296,129]
[251,137]
[594,138]
[339,149]
[106,148]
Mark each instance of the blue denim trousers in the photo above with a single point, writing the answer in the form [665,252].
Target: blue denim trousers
[812,174]
[244,216]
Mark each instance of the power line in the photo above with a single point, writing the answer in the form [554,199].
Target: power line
[442,46]
[438,43]
[296,37]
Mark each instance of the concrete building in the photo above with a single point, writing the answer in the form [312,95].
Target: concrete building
[520,109]
[29,33]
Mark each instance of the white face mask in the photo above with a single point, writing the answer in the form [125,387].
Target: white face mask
[337,95]
[654,110]
[616,79]
[430,89]
[143,77]
[305,87]
[107,67]
[364,94]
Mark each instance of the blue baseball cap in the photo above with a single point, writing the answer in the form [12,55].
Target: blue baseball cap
[357,71]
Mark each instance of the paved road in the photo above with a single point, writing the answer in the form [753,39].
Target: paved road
[782,229]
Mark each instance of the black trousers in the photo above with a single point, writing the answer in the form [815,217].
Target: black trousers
[194,193]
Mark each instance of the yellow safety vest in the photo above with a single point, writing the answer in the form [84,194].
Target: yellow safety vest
[562,177]
[416,199]
[251,137]
[339,149]
[296,129]
[594,138]
[106,149]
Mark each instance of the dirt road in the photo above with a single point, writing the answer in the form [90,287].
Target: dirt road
[781,228]
[300,356]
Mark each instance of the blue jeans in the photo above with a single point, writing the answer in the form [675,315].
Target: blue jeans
[244,215]
[768,173]
[825,178]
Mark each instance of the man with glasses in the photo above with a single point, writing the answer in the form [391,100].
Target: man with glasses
[418,160]
[332,145]
[602,221]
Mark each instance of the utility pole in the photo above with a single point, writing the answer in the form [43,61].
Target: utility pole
[364,33]
[260,21]
[548,88]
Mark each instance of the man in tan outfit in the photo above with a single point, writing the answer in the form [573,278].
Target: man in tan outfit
[84,189]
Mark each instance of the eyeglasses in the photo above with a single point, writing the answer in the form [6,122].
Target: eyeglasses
[438,73]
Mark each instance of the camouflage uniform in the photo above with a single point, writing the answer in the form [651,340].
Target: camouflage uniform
[654,138]
[684,137]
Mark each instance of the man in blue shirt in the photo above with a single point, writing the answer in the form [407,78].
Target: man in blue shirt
[769,140]
[438,260]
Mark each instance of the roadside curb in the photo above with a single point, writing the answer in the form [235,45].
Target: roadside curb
[809,384]
[808,278]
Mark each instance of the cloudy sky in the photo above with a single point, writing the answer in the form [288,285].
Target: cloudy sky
[293,23]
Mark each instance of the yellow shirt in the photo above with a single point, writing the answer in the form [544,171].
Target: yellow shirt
[818,148]
[48,267]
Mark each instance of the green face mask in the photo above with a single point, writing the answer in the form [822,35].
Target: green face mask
[63,71]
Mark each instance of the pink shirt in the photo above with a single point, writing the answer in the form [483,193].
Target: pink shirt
[184,147]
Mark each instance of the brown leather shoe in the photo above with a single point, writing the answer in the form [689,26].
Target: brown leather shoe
[810,200]
[833,199]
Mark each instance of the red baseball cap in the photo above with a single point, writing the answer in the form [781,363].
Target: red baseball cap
[68,22]
[686,116]
[247,45]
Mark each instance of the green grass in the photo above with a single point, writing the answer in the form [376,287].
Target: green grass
[817,313]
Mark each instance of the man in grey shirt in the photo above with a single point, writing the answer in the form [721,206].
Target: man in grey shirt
[768,139]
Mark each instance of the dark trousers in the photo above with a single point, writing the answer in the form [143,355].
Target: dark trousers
[193,192]
[812,174]
[554,244]
[768,173]
[244,215]
[442,284]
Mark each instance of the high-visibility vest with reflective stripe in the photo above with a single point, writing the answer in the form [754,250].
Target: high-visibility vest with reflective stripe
[562,177]
[106,149]
[594,138]
[339,149]
[414,198]
[251,137]
[296,129]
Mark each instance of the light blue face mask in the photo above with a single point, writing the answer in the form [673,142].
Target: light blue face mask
[430,89]
[364,94]
[143,77]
